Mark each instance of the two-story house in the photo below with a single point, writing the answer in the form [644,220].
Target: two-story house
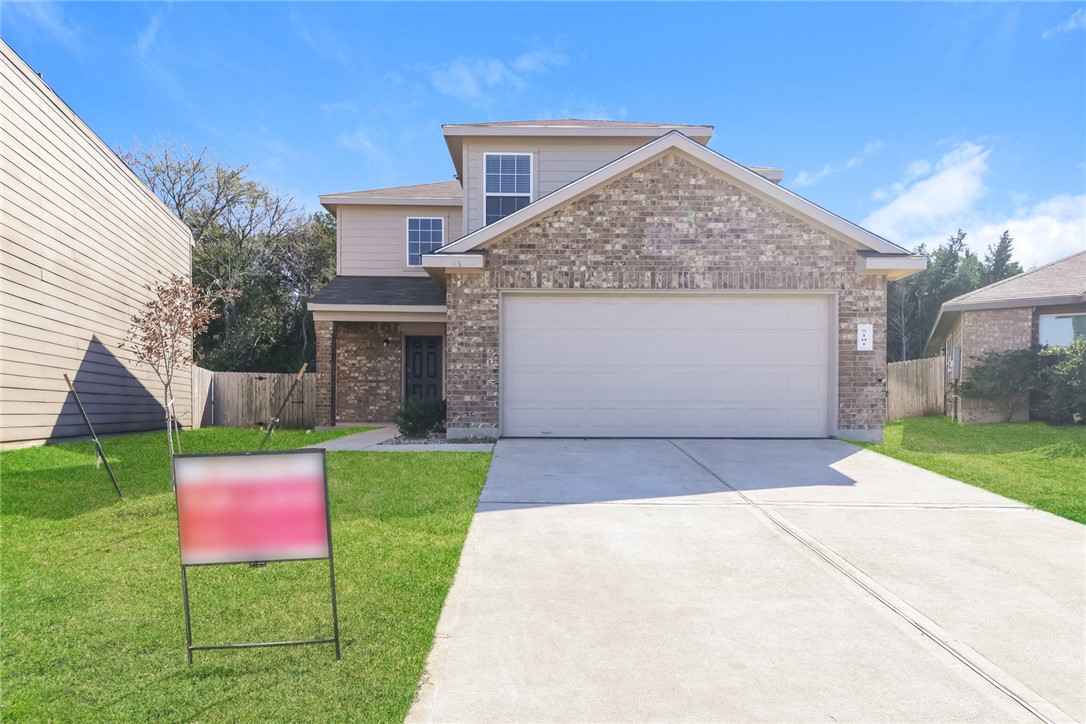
[605,279]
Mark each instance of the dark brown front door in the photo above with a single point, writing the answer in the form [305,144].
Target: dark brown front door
[422,371]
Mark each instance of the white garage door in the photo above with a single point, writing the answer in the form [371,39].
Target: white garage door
[667,365]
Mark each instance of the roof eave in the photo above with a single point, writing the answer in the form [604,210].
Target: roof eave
[895,267]
[332,201]
[1016,303]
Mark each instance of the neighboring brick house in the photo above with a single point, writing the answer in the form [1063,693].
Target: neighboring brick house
[1044,306]
[605,279]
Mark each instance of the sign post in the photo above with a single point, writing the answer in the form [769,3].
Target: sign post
[262,507]
[274,422]
[94,437]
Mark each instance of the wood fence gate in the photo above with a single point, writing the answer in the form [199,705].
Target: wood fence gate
[249,399]
[915,388]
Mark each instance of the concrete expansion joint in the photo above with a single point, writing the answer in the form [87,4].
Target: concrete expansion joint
[1002,681]
[906,506]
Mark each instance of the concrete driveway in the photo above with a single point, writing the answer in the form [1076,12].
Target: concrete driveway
[723,580]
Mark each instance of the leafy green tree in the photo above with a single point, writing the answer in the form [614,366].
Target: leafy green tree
[251,239]
[953,269]
[1063,375]
[998,264]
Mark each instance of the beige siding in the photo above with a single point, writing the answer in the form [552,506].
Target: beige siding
[79,236]
[556,162]
[373,239]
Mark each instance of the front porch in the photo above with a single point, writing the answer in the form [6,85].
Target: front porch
[379,339]
[365,369]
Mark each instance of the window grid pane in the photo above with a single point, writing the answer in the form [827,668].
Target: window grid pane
[508,174]
[423,236]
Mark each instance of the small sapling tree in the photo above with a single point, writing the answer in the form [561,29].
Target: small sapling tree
[162,332]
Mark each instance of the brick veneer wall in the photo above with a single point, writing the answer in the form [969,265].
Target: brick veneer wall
[668,225]
[368,374]
[993,330]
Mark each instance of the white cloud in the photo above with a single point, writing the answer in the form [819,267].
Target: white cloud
[357,140]
[1075,22]
[46,19]
[538,61]
[926,204]
[145,40]
[933,200]
[1044,232]
[476,81]
[812,178]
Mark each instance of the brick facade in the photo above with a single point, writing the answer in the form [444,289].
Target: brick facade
[993,330]
[669,225]
[368,373]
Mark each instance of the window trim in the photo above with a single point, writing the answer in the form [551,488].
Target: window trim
[1056,315]
[407,238]
[531,179]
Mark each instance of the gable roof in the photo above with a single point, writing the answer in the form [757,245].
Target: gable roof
[900,263]
[1056,283]
[442,193]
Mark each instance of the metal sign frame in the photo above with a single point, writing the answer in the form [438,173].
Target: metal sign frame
[330,558]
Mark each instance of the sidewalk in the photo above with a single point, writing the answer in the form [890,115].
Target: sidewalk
[372,440]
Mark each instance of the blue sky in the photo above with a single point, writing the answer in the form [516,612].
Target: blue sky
[910,118]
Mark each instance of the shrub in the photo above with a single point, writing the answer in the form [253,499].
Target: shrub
[1063,379]
[420,415]
[1005,379]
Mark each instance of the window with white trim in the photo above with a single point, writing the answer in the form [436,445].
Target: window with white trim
[424,235]
[508,184]
[1057,330]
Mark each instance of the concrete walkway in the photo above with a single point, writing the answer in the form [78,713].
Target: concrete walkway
[716,580]
[372,440]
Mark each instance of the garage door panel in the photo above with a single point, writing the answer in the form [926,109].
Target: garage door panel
[611,364]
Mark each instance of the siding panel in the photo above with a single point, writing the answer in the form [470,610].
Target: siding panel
[558,161]
[373,239]
[80,236]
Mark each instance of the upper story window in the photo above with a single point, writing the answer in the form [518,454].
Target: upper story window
[1057,330]
[423,236]
[508,184]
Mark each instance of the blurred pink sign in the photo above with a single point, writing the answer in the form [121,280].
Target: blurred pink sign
[256,507]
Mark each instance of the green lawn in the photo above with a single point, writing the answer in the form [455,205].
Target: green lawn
[92,625]
[1032,462]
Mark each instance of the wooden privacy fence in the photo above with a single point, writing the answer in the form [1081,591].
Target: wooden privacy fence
[249,399]
[915,388]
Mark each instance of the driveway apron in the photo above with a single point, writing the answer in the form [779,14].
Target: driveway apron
[724,580]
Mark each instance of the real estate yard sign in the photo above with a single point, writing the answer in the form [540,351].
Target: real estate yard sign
[253,508]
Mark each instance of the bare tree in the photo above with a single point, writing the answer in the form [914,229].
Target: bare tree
[195,186]
[161,334]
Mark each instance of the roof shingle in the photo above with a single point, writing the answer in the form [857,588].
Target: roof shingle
[439,190]
[399,291]
[1063,278]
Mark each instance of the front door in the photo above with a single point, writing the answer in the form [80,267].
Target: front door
[422,370]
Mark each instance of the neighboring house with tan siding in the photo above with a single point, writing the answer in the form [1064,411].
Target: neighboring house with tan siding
[81,235]
[1044,306]
[605,279]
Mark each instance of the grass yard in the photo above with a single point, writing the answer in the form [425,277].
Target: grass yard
[1031,462]
[90,589]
